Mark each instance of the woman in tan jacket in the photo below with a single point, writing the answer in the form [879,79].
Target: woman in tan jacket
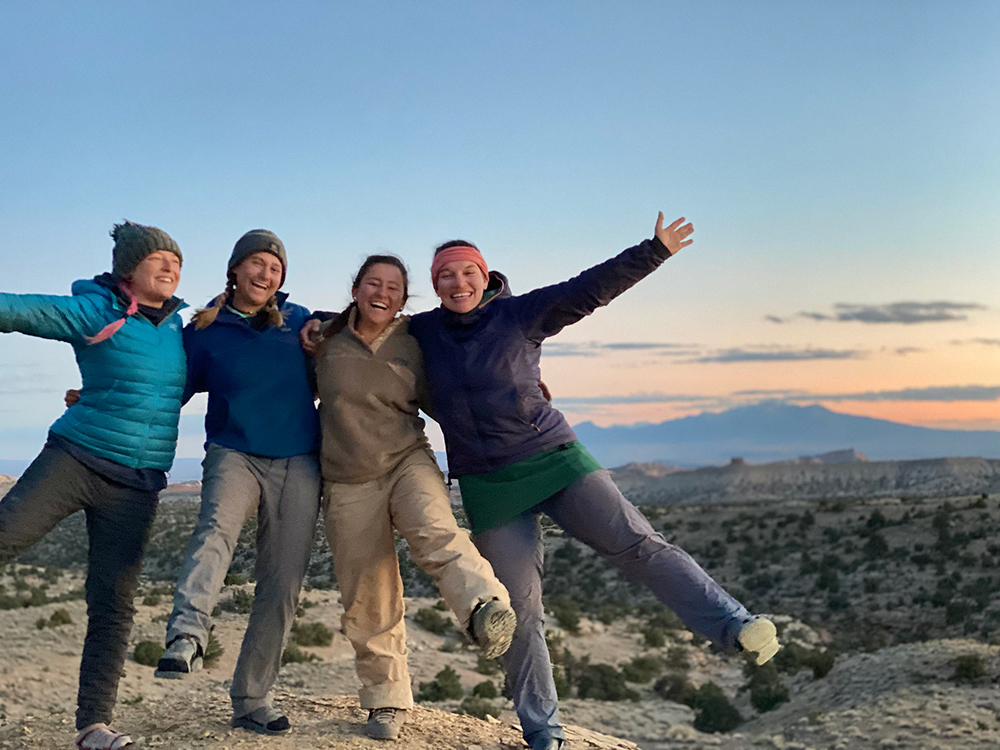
[379,474]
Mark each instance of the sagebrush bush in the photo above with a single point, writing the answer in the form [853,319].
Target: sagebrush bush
[603,682]
[714,712]
[148,653]
[295,655]
[478,707]
[311,634]
[445,686]
[432,621]
[969,667]
[486,689]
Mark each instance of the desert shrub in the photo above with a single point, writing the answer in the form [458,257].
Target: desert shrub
[487,666]
[311,634]
[956,612]
[870,585]
[642,668]
[677,658]
[295,655]
[794,657]
[241,602]
[876,521]
[148,653]
[213,651]
[60,617]
[41,623]
[445,686]
[151,600]
[969,667]
[567,612]
[655,637]
[234,579]
[714,711]
[876,547]
[767,690]
[486,689]
[675,687]
[432,621]
[478,707]
[603,682]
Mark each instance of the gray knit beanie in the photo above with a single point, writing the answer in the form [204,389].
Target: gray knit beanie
[259,241]
[133,242]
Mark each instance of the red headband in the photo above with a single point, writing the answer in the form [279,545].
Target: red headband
[459,252]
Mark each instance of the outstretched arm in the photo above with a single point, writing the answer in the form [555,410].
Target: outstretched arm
[546,311]
[51,316]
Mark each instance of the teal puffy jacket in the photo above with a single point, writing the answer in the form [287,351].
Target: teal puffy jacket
[132,382]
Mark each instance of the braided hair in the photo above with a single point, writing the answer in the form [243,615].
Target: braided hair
[205,316]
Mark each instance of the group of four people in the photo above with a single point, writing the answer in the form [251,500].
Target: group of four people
[472,364]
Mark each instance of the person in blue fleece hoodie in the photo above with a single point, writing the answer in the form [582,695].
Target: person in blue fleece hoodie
[515,456]
[261,458]
[108,454]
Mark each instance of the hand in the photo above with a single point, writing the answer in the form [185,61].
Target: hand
[309,336]
[674,236]
[71,397]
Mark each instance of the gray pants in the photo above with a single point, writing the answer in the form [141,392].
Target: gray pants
[285,495]
[594,511]
[55,486]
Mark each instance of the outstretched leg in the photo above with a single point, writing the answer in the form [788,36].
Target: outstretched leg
[594,511]
[421,511]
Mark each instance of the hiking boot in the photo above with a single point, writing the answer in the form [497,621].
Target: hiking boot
[182,657]
[555,743]
[264,720]
[759,636]
[384,723]
[102,737]
[492,627]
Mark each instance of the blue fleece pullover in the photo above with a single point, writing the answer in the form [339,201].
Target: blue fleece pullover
[483,366]
[132,382]
[258,379]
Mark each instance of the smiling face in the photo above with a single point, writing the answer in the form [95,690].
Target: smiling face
[460,285]
[257,279]
[155,279]
[380,294]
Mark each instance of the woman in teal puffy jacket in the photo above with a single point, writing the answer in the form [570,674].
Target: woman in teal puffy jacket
[109,452]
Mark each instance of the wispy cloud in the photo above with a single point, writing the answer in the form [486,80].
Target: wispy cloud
[933,393]
[983,342]
[905,313]
[904,350]
[768,354]
[596,348]
[634,398]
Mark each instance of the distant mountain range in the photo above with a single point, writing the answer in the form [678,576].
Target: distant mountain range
[758,434]
[776,432]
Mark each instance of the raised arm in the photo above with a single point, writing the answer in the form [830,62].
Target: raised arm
[50,316]
[546,311]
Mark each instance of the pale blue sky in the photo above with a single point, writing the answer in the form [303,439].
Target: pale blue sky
[827,153]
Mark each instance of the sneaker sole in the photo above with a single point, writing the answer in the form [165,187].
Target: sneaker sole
[760,637]
[245,722]
[498,632]
[176,674]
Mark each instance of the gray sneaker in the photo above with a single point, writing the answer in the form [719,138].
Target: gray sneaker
[759,636]
[264,720]
[492,627]
[384,723]
[182,657]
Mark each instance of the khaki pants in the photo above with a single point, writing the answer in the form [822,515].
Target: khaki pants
[359,522]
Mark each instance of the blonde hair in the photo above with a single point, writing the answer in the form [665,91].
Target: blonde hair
[205,316]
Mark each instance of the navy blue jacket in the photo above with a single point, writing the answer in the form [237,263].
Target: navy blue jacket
[483,365]
[260,398]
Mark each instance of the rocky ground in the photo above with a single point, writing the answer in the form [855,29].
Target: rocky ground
[891,604]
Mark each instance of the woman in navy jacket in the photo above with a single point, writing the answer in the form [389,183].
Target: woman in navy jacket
[515,456]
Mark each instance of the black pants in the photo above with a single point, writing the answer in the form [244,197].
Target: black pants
[55,486]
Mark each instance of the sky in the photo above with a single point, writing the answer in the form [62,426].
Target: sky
[839,162]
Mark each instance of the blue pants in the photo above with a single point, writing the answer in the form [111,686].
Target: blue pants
[595,512]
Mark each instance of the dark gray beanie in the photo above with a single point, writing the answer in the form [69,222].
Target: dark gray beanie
[259,241]
[133,242]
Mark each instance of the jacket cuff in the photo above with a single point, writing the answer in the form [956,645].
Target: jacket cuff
[659,248]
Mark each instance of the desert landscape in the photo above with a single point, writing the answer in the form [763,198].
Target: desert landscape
[885,602]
